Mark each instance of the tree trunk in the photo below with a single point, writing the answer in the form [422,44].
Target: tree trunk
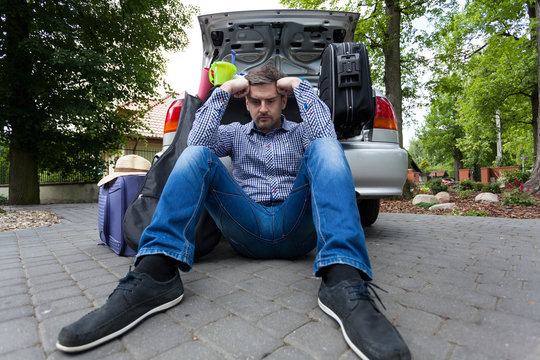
[23,177]
[534,182]
[458,157]
[21,113]
[392,61]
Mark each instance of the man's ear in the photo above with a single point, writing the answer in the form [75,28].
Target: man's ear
[283,102]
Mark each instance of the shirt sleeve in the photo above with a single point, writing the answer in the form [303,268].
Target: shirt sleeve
[317,120]
[208,119]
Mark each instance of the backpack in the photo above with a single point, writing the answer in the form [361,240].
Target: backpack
[140,211]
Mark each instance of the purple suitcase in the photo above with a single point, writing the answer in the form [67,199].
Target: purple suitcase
[114,198]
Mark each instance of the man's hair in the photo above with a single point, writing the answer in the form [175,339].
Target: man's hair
[264,75]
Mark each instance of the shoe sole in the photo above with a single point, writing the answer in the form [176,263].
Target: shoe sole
[333,315]
[126,328]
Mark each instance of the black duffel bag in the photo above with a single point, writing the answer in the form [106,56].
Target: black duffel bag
[140,211]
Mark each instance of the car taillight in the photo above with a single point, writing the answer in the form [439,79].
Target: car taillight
[385,118]
[173,115]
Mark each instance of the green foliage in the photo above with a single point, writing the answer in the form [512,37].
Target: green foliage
[436,185]
[79,61]
[3,200]
[408,190]
[469,213]
[465,194]
[425,205]
[516,197]
[424,165]
[516,177]
[469,185]
[492,188]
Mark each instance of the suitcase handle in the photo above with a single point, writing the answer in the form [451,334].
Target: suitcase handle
[348,70]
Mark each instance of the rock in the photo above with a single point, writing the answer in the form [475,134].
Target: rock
[443,197]
[424,198]
[446,207]
[486,198]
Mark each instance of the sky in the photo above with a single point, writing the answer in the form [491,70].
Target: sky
[184,68]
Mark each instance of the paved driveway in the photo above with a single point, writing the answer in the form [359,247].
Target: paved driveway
[458,288]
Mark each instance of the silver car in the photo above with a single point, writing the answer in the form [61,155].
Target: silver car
[293,41]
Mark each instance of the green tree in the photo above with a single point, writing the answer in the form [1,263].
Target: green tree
[492,45]
[388,31]
[534,182]
[65,67]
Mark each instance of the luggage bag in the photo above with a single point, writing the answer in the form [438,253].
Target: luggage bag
[345,86]
[114,198]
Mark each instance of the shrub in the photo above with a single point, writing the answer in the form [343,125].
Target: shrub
[408,189]
[518,196]
[465,194]
[492,188]
[516,176]
[425,205]
[3,200]
[436,185]
[469,185]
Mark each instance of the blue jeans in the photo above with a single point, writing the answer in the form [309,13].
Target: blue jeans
[320,211]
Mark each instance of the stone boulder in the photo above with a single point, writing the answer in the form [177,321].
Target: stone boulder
[443,197]
[424,198]
[444,207]
[486,198]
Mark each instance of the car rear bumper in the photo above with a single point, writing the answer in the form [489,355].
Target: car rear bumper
[379,169]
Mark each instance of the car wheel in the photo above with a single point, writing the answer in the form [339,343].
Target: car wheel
[369,210]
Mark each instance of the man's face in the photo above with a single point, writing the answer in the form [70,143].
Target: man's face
[265,105]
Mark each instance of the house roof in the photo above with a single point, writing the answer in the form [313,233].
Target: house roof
[155,118]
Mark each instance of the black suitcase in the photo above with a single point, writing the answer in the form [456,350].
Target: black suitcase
[345,86]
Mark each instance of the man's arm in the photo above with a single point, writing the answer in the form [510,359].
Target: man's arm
[206,127]
[316,117]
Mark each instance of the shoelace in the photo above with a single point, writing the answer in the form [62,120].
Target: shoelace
[128,282]
[363,292]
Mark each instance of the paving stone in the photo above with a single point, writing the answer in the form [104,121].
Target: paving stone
[56,294]
[211,288]
[426,347]
[194,312]
[281,323]
[497,342]
[238,338]
[62,306]
[14,301]
[18,334]
[262,287]
[298,301]
[288,353]
[440,306]
[193,350]
[49,328]
[154,336]
[420,321]
[33,353]
[247,306]
[479,300]
[16,312]
[318,340]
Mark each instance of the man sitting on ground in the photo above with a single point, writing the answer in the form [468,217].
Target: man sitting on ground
[291,190]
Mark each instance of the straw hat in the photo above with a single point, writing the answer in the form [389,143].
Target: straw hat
[127,165]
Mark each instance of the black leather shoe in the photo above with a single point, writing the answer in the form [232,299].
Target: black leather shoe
[367,331]
[136,297]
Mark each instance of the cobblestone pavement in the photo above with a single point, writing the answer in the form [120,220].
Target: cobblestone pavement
[458,288]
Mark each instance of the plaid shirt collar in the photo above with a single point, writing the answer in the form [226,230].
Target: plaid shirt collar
[285,126]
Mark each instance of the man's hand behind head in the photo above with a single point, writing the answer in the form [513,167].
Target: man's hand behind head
[238,87]
[286,85]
